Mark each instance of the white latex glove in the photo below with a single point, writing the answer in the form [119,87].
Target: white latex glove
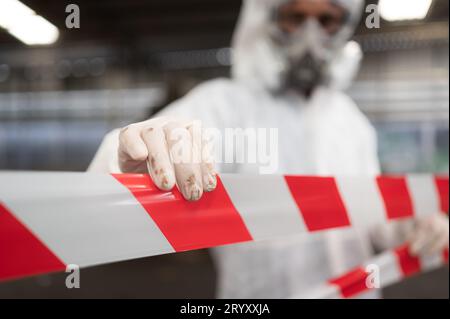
[430,235]
[174,152]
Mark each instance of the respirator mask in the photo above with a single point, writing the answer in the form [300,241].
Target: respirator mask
[306,36]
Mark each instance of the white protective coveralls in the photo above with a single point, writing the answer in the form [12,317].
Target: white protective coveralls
[324,135]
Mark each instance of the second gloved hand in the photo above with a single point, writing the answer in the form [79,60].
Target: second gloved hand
[430,235]
[174,152]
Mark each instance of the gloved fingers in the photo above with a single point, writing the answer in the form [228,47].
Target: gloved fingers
[438,245]
[431,239]
[195,130]
[431,234]
[419,240]
[440,228]
[185,159]
[203,143]
[158,161]
[132,149]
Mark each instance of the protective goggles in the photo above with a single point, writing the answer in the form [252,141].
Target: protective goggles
[291,15]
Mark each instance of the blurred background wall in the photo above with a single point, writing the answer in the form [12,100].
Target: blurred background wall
[131,58]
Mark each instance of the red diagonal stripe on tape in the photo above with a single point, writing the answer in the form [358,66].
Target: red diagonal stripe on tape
[442,186]
[396,197]
[445,255]
[352,283]
[189,225]
[408,263]
[319,202]
[21,252]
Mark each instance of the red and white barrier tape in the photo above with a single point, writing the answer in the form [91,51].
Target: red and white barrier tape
[50,220]
[393,266]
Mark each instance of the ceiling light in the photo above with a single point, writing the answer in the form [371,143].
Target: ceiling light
[396,10]
[24,24]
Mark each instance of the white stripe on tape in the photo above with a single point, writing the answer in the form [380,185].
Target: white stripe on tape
[423,194]
[86,219]
[327,291]
[363,200]
[431,262]
[261,201]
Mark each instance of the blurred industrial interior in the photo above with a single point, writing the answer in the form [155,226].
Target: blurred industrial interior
[131,58]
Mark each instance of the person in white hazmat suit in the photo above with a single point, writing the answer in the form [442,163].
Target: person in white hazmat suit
[291,61]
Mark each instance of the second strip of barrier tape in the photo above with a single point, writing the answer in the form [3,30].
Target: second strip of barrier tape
[391,267]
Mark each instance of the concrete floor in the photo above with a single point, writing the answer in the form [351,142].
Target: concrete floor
[185,275]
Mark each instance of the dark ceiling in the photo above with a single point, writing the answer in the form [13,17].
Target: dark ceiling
[158,23]
[135,21]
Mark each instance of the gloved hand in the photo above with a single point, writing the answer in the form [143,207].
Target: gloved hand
[172,151]
[429,235]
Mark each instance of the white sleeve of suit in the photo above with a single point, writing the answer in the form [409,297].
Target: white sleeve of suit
[106,159]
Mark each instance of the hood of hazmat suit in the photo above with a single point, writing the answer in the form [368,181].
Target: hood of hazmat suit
[264,56]
[324,134]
